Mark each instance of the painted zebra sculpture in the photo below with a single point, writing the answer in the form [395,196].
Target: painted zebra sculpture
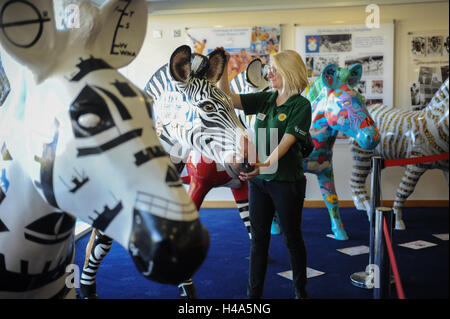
[195,122]
[80,142]
[336,107]
[4,84]
[404,134]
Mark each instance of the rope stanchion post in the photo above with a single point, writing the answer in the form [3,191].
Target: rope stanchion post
[382,287]
[374,202]
[364,279]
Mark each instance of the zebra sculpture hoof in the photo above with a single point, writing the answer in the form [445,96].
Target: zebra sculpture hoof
[275,228]
[359,204]
[88,292]
[340,234]
[187,290]
[338,230]
[399,224]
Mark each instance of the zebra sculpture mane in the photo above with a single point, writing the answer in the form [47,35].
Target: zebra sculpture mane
[404,134]
[79,142]
[337,107]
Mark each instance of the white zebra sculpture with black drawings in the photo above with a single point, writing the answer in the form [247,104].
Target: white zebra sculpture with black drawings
[404,134]
[81,143]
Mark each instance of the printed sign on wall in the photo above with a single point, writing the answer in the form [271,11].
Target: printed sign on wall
[243,44]
[428,65]
[345,45]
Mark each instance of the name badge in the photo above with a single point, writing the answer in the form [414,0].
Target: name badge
[261,116]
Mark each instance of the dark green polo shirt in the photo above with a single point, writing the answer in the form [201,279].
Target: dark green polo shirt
[293,117]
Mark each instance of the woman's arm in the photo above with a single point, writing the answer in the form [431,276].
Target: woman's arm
[286,142]
[224,84]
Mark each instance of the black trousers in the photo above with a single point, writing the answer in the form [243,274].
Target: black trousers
[266,197]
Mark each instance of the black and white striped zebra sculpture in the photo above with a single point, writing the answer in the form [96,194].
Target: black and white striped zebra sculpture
[81,143]
[191,115]
[404,134]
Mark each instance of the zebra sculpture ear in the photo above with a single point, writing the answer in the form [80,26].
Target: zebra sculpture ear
[355,74]
[217,60]
[180,63]
[330,77]
[29,34]
[256,74]
[118,47]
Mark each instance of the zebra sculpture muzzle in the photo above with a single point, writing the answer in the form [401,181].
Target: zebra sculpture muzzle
[170,252]
[191,113]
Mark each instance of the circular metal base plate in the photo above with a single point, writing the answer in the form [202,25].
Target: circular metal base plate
[359,279]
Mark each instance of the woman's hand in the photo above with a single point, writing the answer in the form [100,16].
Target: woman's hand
[247,176]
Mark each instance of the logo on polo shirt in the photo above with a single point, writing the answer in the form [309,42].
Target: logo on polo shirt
[282,117]
[299,131]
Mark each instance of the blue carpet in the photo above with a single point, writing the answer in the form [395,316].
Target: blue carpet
[223,275]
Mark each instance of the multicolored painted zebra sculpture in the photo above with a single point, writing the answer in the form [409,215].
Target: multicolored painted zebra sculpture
[195,122]
[404,134]
[336,107]
[81,143]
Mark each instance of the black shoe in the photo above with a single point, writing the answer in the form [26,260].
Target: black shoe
[301,295]
[88,292]
[187,290]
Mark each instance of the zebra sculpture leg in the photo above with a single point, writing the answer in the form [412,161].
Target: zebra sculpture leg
[198,189]
[326,183]
[275,229]
[241,197]
[360,170]
[98,247]
[409,180]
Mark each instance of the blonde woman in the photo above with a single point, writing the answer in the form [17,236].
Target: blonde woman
[278,182]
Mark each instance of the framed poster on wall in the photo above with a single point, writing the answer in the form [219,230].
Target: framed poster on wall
[243,44]
[427,65]
[345,45]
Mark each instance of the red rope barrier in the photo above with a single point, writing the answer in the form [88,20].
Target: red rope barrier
[398,283]
[415,160]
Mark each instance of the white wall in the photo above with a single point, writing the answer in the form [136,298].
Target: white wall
[408,17]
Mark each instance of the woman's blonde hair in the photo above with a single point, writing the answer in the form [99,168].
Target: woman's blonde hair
[292,70]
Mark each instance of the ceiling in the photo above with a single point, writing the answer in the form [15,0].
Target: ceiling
[162,7]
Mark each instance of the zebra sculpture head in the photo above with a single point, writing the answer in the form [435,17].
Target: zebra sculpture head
[192,113]
[86,135]
[336,103]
